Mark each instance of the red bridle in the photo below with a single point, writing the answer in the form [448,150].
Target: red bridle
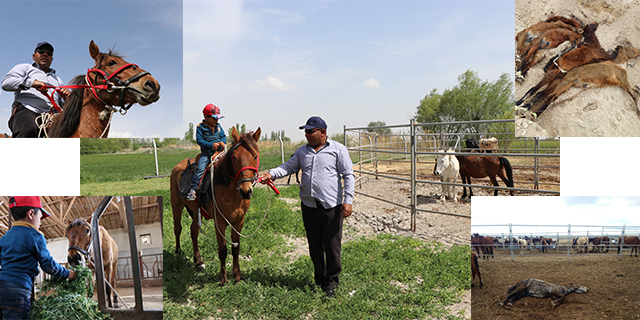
[237,175]
[108,85]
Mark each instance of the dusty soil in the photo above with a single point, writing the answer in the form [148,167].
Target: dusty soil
[614,289]
[606,111]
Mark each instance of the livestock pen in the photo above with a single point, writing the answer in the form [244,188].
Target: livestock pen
[408,155]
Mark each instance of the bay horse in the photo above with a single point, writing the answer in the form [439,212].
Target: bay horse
[629,242]
[540,289]
[447,167]
[233,178]
[475,269]
[78,233]
[111,84]
[484,166]
[599,242]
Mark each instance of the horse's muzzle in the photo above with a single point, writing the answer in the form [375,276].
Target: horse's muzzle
[246,195]
[74,260]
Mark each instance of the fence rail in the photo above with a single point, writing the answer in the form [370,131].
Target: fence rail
[417,146]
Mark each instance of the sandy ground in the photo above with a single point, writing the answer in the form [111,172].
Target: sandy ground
[606,111]
[614,289]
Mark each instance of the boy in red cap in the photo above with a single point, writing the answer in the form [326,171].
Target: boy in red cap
[22,248]
[211,139]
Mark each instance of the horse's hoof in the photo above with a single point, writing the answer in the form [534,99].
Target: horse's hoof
[200,267]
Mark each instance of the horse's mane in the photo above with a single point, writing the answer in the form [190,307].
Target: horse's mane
[76,223]
[224,167]
[72,108]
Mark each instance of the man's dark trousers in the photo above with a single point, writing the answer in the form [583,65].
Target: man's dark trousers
[324,235]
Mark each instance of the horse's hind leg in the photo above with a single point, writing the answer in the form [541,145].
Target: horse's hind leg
[177,206]
[494,181]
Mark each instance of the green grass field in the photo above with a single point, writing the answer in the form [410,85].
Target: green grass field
[386,277]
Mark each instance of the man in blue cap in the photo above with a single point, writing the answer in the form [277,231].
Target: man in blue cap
[26,81]
[325,201]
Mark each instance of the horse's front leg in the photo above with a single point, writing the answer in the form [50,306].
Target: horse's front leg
[222,253]
[197,259]
[235,253]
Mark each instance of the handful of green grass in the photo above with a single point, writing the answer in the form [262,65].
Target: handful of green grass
[69,299]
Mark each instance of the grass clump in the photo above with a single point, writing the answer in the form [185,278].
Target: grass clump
[69,299]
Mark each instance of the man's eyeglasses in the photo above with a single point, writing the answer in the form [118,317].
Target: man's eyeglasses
[42,51]
[310,131]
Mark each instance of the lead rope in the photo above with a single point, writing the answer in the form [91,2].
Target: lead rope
[215,203]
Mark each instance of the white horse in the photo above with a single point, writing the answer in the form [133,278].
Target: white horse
[447,167]
[522,243]
[582,243]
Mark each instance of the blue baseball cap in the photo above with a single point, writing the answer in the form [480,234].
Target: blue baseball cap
[314,122]
[43,44]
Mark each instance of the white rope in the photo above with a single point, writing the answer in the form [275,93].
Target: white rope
[216,210]
[46,119]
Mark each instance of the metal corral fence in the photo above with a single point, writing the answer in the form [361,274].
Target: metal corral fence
[418,143]
[506,243]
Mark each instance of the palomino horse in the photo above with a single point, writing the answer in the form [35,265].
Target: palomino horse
[78,233]
[447,167]
[484,166]
[110,85]
[629,242]
[232,188]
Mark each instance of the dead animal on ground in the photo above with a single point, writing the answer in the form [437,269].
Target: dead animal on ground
[541,289]
[544,35]
[595,75]
[587,52]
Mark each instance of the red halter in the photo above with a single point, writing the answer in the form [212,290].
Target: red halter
[237,176]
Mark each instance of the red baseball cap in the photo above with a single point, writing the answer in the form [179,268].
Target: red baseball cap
[212,110]
[16,202]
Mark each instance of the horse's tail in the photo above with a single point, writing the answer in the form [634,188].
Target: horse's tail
[504,162]
[475,261]
[513,287]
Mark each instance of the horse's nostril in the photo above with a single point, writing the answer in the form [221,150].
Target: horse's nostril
[151,85]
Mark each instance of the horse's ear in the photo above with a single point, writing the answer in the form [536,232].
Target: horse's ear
[89,219]
[94,50]
[256,135]
[235,135]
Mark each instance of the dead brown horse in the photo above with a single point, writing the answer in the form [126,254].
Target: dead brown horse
[595,75]
[475,269]
[78,233]
[87,112]
[587,52]
[233,181]
[541,289]
[545,35]
[485,166]
[629,242]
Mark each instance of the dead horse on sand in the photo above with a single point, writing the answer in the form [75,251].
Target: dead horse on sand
[541,289]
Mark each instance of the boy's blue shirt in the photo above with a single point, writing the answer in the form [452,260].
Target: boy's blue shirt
[205,137]
[21,250]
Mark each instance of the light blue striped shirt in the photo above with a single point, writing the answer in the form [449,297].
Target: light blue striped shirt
[20,79]
[321,174]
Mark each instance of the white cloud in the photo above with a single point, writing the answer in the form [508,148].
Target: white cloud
[371,83]
[273,84]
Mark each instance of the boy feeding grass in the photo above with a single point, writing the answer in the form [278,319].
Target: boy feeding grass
[22,248]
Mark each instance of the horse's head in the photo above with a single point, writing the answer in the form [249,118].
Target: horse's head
[443,161]
[78,233]
[578,288]
[131,84]
[245,159]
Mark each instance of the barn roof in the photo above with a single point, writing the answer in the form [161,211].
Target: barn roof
[66,209]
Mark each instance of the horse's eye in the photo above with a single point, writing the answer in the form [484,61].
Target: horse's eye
[111,63]
[86,231]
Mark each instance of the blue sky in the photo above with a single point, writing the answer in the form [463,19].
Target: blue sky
[563,210]
[148,33]
[272,64]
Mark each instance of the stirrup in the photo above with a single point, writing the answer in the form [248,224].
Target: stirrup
[191,196]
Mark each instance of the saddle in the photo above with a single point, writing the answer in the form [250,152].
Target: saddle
[203,192]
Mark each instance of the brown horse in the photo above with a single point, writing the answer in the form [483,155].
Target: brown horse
[629,242]
[599,242]
[115,84]
[78,233]
[484,166]
[232,187]
[475,269]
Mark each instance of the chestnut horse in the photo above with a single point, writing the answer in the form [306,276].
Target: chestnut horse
[111,84]
[484,166]
[78,233]
[233,178]
[475,269]
[632,242]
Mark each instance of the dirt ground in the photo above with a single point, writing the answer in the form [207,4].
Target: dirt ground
[614,289]
[606,111]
